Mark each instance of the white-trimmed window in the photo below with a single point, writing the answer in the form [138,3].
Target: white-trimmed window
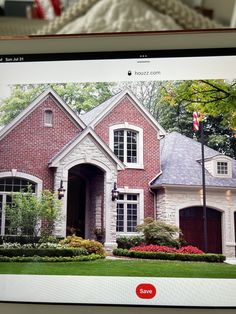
[48,118]
[222,168]
[8,186]
[129,210]
[126,141]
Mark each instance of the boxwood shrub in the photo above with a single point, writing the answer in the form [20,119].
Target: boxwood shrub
[50,252]
[125,242]
[210,258]
[29,259]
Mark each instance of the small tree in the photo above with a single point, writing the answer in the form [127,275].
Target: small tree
[49,212]
[27,209]
[158,232]
[23,214]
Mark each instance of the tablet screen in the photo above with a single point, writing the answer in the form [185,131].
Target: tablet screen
[118,177]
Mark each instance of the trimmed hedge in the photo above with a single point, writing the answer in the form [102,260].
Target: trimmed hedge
[125,242]
[44,259]
[19,239]
[210,258]
[50,252]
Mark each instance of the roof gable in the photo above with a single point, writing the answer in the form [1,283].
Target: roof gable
[94,116]
[54,162]
[34,104]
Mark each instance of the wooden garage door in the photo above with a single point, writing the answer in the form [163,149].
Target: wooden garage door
[192,226]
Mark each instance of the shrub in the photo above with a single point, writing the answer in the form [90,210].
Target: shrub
[42,252]
[49,212]
[160,233]
[29,259]
[210,258]
[24,213]
[19,239]
[125,242]
[91,246]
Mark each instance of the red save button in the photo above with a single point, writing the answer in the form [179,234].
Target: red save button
[146,291]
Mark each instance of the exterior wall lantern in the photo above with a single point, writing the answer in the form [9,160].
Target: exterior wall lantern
[114,193]
[61,191]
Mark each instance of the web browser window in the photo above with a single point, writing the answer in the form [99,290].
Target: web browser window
[113,136]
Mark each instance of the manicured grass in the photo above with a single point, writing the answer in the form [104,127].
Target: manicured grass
[138,268]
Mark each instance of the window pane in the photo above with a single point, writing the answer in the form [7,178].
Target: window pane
[119,144]
[132,197]
[131,217]
[131,147]
[48,116]
[120,218]
[222,167]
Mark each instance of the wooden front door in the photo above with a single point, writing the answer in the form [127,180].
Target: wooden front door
[192,226]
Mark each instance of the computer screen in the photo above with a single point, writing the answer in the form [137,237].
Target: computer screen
[118,175]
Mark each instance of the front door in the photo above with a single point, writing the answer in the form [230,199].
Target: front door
[76,203]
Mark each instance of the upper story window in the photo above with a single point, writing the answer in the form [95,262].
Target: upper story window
[219,166]
[125,145]
[126,141]
[48,118]
[222,168]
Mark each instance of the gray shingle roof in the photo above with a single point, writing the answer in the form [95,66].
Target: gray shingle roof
[89,116]
[180,165]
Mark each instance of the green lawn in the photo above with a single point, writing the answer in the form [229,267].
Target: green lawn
[138,268]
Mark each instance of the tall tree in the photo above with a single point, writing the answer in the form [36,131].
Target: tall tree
[79,96]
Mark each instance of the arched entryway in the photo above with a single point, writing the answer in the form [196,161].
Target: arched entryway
[85,200]
[192,225]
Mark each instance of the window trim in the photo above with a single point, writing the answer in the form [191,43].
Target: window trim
[129,127]
[140,210]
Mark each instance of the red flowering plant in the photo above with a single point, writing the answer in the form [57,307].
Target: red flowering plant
[190,250]
[166,249]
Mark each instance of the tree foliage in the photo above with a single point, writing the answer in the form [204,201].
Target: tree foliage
[79,96]
[27,209]
[158,232]
[216,99]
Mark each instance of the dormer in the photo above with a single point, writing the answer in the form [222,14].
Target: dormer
[219,166]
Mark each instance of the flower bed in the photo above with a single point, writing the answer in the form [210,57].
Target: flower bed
[166,249]
[210,258]
[70,249]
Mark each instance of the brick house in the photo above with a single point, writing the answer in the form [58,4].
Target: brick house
[118,142]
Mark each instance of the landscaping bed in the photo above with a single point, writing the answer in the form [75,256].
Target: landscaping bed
[167,253]
[70,249]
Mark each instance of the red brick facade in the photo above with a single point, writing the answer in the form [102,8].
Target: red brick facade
[30,145]
[126,111]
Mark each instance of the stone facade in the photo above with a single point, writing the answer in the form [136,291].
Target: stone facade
[89,152]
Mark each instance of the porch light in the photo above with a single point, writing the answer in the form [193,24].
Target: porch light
[61,191]
[114,193]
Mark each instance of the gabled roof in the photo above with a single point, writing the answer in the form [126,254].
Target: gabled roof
[180,164]
[95,115]
[34,104]
[54,162]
